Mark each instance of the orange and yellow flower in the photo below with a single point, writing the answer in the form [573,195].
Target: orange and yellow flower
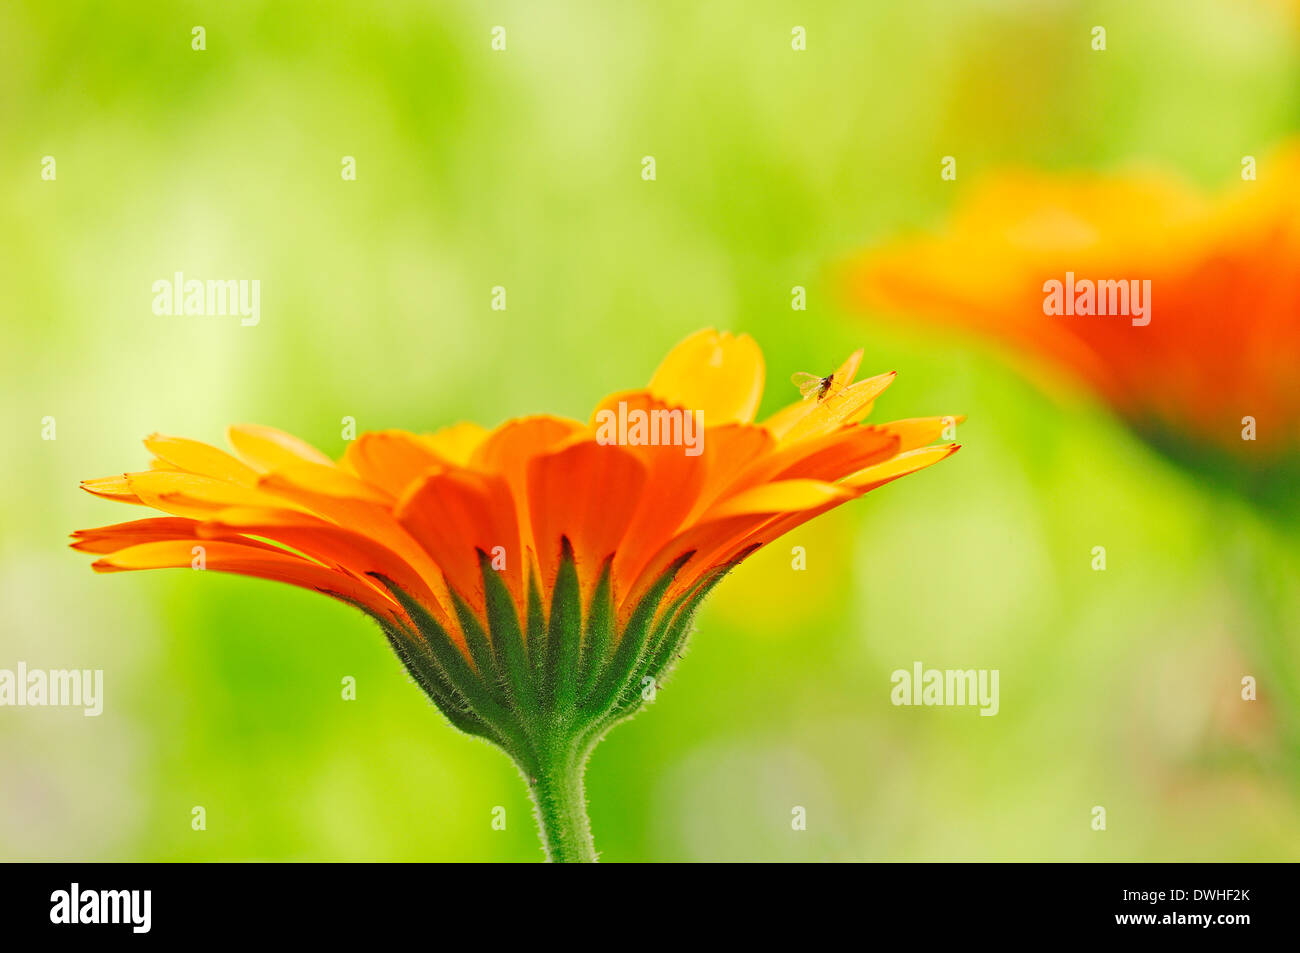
[532,576]
[418,508]
[1223,340]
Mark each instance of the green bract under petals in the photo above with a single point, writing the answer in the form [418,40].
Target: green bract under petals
[546,688]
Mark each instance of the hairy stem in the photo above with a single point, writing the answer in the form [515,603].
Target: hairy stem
[556,786]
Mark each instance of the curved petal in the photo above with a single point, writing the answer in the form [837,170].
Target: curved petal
[508,450]
[916,432]
[370,519]
[852,488]
[454,513]
[357,553]
[720,374]
[587,492]
[243,560]
[324,480]
[724,527]
[901,465]
[729,451]
[116,488]
[110,539]
[265,448]
[391,459]
[188,494]
[674,479]
[456,443]
[196,457]
[831,456]
[779,497]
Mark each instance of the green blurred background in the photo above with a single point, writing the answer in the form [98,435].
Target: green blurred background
[522,168]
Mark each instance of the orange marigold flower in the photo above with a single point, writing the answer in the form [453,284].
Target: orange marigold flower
[532,577]
[1209,378]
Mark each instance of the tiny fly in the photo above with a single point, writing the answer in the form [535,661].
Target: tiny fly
[810,385]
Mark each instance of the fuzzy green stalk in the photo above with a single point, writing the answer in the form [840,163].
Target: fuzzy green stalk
[561,806]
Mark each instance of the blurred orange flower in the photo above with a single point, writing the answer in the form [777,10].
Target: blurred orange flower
[1211,378]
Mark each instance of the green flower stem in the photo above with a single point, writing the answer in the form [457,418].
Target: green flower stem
[556,787]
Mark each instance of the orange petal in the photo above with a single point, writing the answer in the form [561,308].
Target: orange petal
[109,539]
[455,443]
[196,457]
[117,488]
[373,520]
[783,496]
[244,560]
[265,448]
[672,487]
[324,480]
[719,374]
[830,457]
[725,526]
[701,539]
[901,465]
[855,486]
[391,459]
[729,451]
[916,432]
[188,494]
[508,450]
[589,493]
[453,514]
[324,541]
[769,530]
[636,399]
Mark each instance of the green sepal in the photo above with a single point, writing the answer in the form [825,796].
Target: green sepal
[420,664]
[454,666]
[632,641]
[664,646]
[564,635]
[507,638]
[599,636]
[666,652]
[628,696]
[480,649]
[663,650]
[536,633]
[424,669]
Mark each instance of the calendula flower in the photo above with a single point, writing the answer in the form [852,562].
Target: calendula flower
[1206,370]
[536,578]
